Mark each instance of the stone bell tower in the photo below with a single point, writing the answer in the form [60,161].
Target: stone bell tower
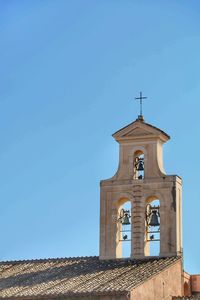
[140,179]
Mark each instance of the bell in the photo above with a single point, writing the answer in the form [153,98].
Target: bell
[154,219]
[125,219]
[140,166]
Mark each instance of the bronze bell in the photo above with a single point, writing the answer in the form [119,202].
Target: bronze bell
[154,218]
[125,219]
[140,165]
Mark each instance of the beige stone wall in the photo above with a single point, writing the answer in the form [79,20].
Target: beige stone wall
[163,286]
[114,193]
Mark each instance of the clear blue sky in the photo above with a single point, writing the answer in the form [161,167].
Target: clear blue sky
[69,72]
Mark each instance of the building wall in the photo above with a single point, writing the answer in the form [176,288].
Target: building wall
[195,283]
[162,286]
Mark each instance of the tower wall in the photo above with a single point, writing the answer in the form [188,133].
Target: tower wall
[154,185]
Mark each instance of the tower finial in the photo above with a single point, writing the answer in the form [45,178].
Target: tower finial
[140,117]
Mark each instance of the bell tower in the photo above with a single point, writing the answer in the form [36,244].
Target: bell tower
[155,198]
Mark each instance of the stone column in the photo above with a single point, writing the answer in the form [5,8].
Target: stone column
[137,247]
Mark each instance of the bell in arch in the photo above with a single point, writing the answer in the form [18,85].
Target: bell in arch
[153,215]
[140,166]
[153,221]
[125,217]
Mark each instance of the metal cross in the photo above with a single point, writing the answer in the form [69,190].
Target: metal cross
[140,98]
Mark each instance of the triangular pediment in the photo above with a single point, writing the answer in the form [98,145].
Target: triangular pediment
[137,132]
[140,130]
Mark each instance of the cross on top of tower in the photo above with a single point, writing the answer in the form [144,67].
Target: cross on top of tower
[140,117]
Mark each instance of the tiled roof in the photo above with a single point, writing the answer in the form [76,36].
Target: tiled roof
[78,276]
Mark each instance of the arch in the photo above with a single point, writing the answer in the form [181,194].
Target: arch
[138,149]
[152,226]
[138,152]
[124,224]
[122,200]
[123,197]
[150,196]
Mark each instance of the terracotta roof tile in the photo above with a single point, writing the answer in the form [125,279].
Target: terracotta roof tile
[76,276]
[195,297]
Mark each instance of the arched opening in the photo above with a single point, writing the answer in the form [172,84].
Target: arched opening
[152,227]
[124,229]
[138,165]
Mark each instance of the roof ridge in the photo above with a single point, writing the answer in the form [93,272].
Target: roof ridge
[145,259]
[46,259]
